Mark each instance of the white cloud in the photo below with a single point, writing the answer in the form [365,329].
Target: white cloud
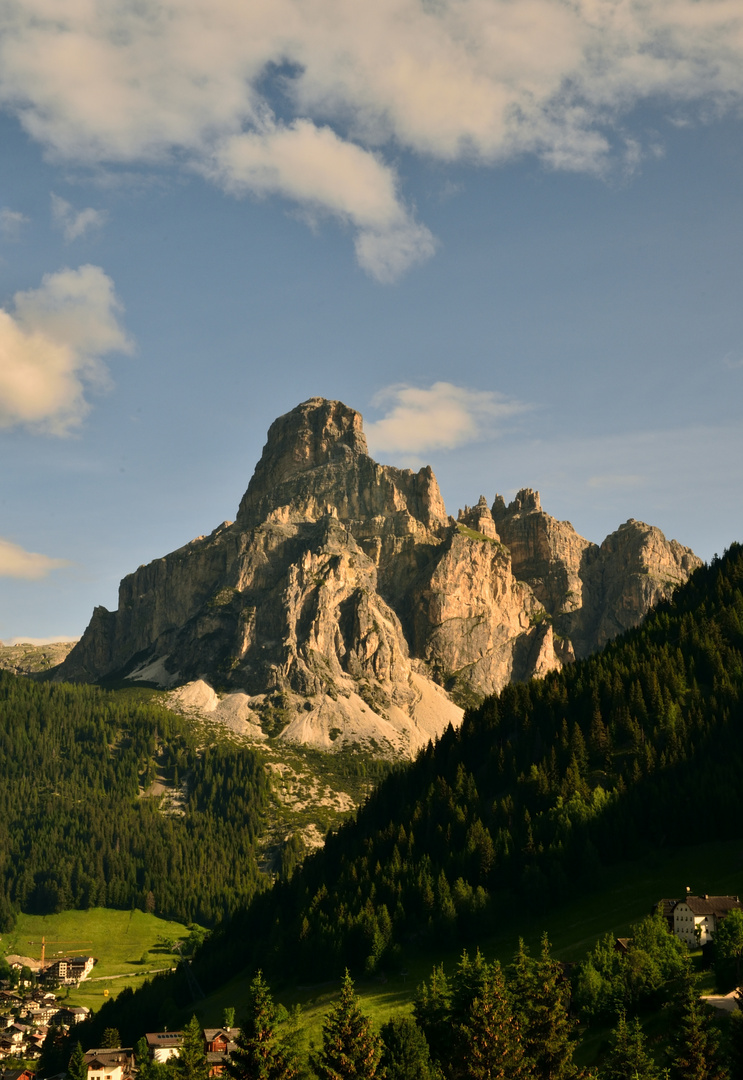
[325,174]
[733,360]
[15,562]
[50,349]
[11,222]
[441,417]
[481,80]
[75,223]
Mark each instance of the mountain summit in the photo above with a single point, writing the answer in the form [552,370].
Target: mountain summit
[344,606]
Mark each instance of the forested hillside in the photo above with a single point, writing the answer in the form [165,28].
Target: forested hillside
[75,829]
[638,747]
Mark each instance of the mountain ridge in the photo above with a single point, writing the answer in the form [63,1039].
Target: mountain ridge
[346,608]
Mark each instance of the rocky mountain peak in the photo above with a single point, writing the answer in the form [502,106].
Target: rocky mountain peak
[344,606]
[314,434]
[526,502]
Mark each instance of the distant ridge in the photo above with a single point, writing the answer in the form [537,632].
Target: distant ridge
[344,607]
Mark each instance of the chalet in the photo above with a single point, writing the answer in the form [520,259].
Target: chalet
[164,1044]
[696,918]
[17,1074]
[42,1014]
[220,1042]
[114,1064]
[70,1016]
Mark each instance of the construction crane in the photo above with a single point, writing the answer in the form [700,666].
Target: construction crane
[56,941]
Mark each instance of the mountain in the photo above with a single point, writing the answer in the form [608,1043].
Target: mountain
[27,659]
[632,752]
[343,606]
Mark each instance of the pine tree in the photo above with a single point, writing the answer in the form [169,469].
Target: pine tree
[541,996]
[111,1039]
[406,1055]
[191,1063]
[432,1010]
[695,1048]
[142,1059]
[490,1038]
[257,1056]
[77,1068]
[628,1058]
[350,1048]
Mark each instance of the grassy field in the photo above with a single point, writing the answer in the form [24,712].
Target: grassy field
[626,894]
[126,944]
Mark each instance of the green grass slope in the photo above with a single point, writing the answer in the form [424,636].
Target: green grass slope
[129,947]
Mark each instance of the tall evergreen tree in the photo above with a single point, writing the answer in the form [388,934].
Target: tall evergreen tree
[628,1057]
[351,1050]
[405,1055]
[490,1038]
[191,1063]
[541,998]
[695,1048]
[432,1010]
[258,1056]
[76,1068]
[142,1059]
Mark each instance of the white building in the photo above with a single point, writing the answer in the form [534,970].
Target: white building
[696,918]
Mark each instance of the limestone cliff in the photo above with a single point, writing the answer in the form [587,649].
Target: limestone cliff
[343,602]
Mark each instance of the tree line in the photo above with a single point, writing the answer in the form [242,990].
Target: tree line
[76,831]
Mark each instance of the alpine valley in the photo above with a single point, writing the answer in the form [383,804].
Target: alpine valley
[523,722]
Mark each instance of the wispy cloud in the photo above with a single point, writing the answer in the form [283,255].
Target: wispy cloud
[455,80]
[327,175]
[441,417]
[733,360]
[11,222]
[15,562]
[51,346]
[76,223]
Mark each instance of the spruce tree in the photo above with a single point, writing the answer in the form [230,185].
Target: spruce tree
[191,1063]
[541,998]
[142,1059]
[111,1039]
[258,1056]
[695,1049]
[350,1048]
[405,1055]
[628,1057]
[489,1038]
[432,1010]
[77,1069]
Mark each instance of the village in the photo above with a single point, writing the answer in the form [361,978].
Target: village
[30,1008]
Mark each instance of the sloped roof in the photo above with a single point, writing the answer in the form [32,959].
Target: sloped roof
[712,905]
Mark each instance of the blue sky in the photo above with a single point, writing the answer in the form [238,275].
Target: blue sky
[510,235]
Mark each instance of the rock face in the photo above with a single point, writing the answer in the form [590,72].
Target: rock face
[27,659]
[344,606]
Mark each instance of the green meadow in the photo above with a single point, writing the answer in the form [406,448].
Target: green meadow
[128,947]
